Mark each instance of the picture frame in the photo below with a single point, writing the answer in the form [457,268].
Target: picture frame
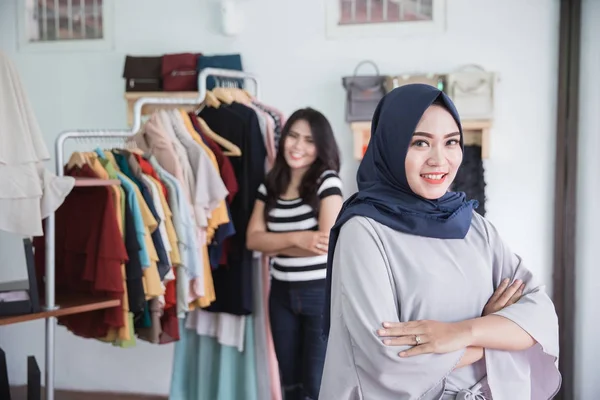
[352,19]
[32,29]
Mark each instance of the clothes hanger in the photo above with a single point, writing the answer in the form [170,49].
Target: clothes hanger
[131,147]
[240,95]
[222,93]
[210,100]
[232,149]
[77,159]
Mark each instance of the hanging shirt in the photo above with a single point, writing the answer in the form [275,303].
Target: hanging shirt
[133,205]
[163,262]
[151,280]
[162,226]
[190,266]
[219,215]
[88,256]
[239,125]
[225,167]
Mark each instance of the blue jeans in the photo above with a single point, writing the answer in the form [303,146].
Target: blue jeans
[296,316]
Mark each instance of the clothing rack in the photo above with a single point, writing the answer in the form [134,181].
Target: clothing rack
[50,303]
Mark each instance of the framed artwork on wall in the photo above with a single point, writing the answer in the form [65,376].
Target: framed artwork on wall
[65,25]
[384,18]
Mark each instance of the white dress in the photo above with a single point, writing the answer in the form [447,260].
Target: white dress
[28,191]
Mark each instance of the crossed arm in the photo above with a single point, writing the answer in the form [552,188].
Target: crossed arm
[488,331]
[294,244]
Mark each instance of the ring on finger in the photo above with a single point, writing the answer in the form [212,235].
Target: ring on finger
[418,339]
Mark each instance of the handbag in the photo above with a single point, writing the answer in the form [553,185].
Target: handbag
[223,61]
[471,88]
[179,72]
[435,80]
[142,74]
[363,93]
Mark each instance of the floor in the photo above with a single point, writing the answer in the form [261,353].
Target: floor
[20,393]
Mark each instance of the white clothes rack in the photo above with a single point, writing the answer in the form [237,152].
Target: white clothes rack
[50,303]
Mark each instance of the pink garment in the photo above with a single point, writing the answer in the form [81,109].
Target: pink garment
[152,139]
[271,152]
[197,283]
[272,358]
[269,136]
[281,116]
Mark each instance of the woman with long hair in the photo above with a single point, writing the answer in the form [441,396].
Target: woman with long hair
[413,271]
[294,212]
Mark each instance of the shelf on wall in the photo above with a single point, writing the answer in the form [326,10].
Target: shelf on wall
[132,97]
[68,306]
[475,133]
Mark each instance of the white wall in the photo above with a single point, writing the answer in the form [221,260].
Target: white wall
[284,43]
[587,330]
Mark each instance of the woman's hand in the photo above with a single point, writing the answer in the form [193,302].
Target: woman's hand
[441,337]
[426,336]
[313,241]
[504,296]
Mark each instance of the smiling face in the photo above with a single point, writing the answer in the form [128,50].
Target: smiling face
[299,147]
[434,154]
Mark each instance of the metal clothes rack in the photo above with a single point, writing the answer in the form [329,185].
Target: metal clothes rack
[50,303]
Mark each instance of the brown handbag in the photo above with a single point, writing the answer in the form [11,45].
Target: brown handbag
[179,72]
[142,74]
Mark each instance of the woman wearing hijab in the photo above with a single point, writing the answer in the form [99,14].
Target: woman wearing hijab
[411,268]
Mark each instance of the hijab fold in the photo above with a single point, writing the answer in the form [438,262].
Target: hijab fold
[383,191]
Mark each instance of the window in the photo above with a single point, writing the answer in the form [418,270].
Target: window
[392,18]
[381,11]
[65,24]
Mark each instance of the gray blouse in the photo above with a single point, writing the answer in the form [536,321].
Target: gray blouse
[383,275]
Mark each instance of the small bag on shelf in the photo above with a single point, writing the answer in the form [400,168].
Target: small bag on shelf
[434,80]
[142,74]
[363,93]
[223,61]
[471,88]
[179,72]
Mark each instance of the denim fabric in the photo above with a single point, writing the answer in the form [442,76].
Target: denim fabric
[296,315]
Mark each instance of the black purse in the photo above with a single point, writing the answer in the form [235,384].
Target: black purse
[363,93]
[142,74]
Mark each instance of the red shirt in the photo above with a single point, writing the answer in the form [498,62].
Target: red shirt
[89,252]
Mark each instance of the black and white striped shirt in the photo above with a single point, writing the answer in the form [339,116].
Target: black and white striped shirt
[296,215]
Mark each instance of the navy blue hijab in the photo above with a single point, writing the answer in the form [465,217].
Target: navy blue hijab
[383,191]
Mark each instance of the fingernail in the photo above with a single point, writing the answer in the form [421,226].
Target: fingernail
[381,332]
[505,281]
[387,341]
[402,354]
[518,282]
[386,324]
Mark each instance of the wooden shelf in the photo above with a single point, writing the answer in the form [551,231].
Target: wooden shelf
[132,97]
[68,306]
[477,133]
[361,132]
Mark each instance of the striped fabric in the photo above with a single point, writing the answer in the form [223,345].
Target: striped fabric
[296,215]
